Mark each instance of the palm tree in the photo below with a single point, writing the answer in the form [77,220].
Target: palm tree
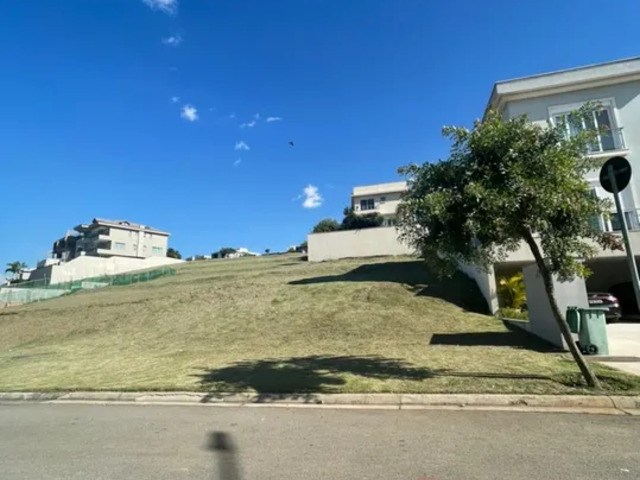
[14,268]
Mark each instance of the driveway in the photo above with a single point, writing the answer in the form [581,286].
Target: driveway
[624,343]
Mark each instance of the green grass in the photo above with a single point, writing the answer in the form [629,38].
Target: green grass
[279,324]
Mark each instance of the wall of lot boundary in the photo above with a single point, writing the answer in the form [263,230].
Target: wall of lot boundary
[367,242]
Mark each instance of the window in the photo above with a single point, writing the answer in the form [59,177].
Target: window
[135,247]
[118,246]
[156,250]
[602,120]
[367,204]
[383,199]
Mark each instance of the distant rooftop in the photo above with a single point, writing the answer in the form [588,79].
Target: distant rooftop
[565,80]
[380,188]
[125,224]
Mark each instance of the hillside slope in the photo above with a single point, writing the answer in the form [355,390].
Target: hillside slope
[277,324]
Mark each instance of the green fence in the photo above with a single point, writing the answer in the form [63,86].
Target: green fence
[38,290]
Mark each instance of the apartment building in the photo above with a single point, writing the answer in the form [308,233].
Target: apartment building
[383,198]
[112,238]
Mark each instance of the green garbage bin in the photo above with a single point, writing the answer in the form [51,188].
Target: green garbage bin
[573,319]
[592,334]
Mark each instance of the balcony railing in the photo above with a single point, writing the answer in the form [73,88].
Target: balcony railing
[613,224]
[608,141]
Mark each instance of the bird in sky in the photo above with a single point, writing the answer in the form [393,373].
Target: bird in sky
[291,143]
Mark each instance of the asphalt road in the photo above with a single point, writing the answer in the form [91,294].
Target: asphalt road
[55,441]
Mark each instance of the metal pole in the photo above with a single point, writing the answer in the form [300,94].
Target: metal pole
[633,268]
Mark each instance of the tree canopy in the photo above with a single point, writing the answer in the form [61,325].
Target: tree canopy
[173,253]
[326,225]
[15,267]
[353,221]
[505,182]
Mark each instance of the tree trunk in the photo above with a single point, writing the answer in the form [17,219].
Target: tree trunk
[585,368]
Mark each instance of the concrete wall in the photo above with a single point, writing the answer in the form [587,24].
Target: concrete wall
[541,321]
[88,266]
[626,97]
[523,254]
[486,281]
[368,242]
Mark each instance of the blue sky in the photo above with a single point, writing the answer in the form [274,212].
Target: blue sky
[98,104]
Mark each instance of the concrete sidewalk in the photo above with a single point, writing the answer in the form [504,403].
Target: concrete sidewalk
[619,405]
[624,343]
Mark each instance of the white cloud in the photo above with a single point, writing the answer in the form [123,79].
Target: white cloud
[257,116]
[166,6]
[312,197]
[175,99]
[232,116]
[172,40]
[189,113]
[237,162]
[251,124]
[274,119]
[242,145]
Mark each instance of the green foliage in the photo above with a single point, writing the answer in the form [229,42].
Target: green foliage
[505,181]
[267,250]
[303,245]
[513,313]
[173,253]
[326,225]
[512,291]
[352,221]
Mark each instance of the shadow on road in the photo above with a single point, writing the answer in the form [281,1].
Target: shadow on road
[320,374]
[459,289]
[225,453]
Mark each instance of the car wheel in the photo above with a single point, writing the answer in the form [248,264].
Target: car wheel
[592,350]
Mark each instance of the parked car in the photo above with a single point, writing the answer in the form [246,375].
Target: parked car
[607,301]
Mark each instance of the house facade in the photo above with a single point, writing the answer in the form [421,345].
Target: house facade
[615,88]
[383,199]
[547,99]
[112,238]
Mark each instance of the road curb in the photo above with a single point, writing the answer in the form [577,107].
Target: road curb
[388,400]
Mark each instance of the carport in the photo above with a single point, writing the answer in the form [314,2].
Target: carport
[611,274]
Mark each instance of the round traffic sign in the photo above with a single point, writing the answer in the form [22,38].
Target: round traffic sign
[621,172]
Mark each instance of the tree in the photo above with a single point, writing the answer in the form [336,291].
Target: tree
[326,225]
[267,250]
[225,251]
[352,221]
[14,268]
[506,182]
[173,253]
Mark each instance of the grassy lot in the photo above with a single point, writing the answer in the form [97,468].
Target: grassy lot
[279,324]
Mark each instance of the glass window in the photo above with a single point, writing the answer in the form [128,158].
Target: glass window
[118,246]
[156,250]
[367,204]
[383,199]
[599,120]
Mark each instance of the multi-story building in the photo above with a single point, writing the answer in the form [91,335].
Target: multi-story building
[383,198]
[615,88]
[547,99]
[112,238]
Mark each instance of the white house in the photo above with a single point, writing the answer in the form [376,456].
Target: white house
[382,198]
[549,97]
